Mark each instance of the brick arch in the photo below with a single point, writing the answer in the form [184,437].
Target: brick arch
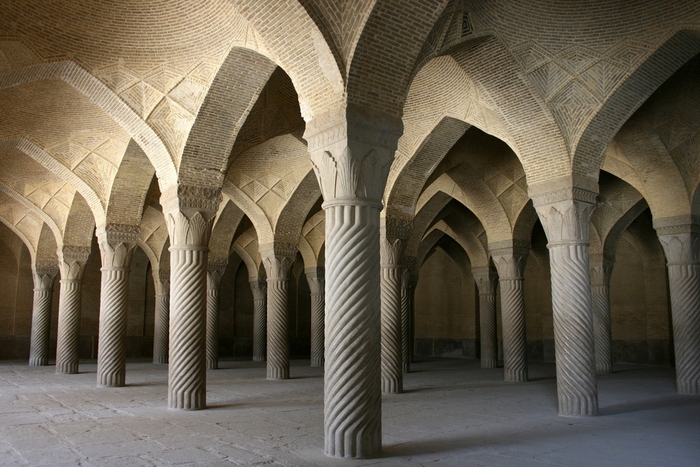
[107,101]
[525,222]
[432,119]
[425,216]
[296,44]
[51,164]
[677,49]
[478,199]
[382,89]
[227,221]
[80,224]
[22,236]
[469,242]
[253,211]
[47,247]
[58,230]
[150,254]
[129,187]
[313,239]
[231,96]
[533,133]
[427,245]
[251,265]
[291,220]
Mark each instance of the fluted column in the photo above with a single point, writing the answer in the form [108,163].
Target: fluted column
[44,275]
[161,332]
[510,263]
[189,214]
[72,265]
[278,260]
[405,320]
[680,238]
[314,276]
[486,281]
[215,270]
[601,269]
[117,243]
[565,215]
[412,315]
[259,289]
[392,241]
[351,152]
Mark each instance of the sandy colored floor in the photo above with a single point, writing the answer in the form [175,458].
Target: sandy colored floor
[452,414]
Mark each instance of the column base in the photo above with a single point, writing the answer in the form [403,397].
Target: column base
[111,381]
[160,360]
[515,376]
[38,361]
[691,388]
[68,369]
[577,407]
[317,361]
[277,373]
[603,369]
[489,363]
[212,364]
[406,367]
[391,386]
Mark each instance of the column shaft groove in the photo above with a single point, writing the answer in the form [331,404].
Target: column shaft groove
[69,306]
[111,356]
[161,332]
[392,374]
[41,326]
[277,329]
[514,341]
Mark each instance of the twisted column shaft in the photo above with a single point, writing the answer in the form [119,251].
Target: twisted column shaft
[212,328]
[352,377]
[314,277]
[111,357]
[405,322]
[216,270]
[486,283]
[601,268]
[41,315]
[161,334]
[510,262]
[69,305]
[259,320]
[681,244]
[392,348]
[278,259]
[566,217]
[277,329]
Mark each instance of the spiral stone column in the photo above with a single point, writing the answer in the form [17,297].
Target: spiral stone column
[601,269]
[44,275]
[351,151]
[486,281]
[259,289]
[215,270]
[314,276]
[72,261]
[680,238]
[565,215]
[412,315]
[392,241]
[405,320]
[510,263]
[189,213]
[278,260]
[117,243]
[161,325]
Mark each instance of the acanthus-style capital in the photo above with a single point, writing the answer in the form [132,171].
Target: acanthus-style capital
[601,269]
[161,280]
[278,259]
[352,149]
[405,278]
[117,244]
[315,277]
[680,239]
[189,213]
[72,260]
[215,271]
[391,251]
[192,232]
[45,273]
[510,266]
[565,214]
[486,279]
[259,288]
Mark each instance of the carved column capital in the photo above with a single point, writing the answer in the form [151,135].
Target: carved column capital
[72,260]
[189,213]
[161,281]
[278,259]
[486,279]
[117,244]
[680,239]
[565,214]
[601,269]
[259,289]
[215,271]
[351,152]
[510,257]
[44,274]
[316,280]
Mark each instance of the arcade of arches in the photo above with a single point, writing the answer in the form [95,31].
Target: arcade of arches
[360,183]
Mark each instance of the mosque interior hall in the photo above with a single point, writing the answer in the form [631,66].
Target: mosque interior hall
[367,232]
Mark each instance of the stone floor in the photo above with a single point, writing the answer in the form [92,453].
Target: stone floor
[452,414]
